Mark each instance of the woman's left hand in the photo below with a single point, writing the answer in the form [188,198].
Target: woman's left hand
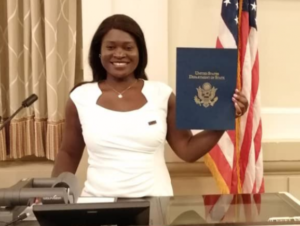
[240,103]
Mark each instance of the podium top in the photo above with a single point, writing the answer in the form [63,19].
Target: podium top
[244,209]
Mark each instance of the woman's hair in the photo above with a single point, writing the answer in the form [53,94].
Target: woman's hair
[126,24]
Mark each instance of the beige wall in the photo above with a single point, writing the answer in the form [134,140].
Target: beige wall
[194,23]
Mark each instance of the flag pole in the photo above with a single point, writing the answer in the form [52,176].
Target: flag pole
[239,87]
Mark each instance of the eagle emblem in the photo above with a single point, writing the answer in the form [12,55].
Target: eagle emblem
[206,95]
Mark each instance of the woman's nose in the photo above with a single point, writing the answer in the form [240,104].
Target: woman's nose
[119,53]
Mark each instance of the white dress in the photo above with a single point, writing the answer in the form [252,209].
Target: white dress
[125,150]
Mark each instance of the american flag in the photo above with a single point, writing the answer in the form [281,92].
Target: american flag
[237,162]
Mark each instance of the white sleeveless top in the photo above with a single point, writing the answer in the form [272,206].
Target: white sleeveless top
[125,152]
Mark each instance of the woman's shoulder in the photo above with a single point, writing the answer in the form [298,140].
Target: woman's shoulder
[83,85]
[159,87]
[83,90]
[159,92]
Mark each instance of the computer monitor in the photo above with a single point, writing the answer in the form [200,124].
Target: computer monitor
[93,214]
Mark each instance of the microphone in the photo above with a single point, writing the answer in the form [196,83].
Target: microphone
[29,101]
[26,103]
[63,189]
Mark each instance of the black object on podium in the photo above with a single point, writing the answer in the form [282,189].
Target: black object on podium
[135,212]
[15,199]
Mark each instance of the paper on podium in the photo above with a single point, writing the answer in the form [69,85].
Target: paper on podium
[90,199]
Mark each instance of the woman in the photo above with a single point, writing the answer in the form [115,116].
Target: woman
[124,120]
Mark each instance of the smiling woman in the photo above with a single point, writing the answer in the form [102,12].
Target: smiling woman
[118,38]
[124,120]
[119,53]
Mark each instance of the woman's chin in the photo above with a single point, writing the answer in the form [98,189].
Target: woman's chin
[122,76]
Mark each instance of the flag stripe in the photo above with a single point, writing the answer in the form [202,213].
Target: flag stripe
[219,159]
[219,44]
[246,119]
[247,144]
[257,143]
[226,143]
[226,37]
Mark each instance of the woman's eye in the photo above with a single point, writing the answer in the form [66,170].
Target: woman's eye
[110,47]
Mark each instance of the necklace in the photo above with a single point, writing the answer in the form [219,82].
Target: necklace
[120,93]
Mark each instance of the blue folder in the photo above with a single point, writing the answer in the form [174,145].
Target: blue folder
[205,84]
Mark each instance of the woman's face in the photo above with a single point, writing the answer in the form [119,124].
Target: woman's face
[119,54]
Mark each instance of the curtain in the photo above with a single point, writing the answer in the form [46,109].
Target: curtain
[40,53]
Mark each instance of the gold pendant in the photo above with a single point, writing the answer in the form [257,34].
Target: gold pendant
[120,96]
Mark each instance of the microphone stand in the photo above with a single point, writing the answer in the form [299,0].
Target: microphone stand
[26,103]
[10,118]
